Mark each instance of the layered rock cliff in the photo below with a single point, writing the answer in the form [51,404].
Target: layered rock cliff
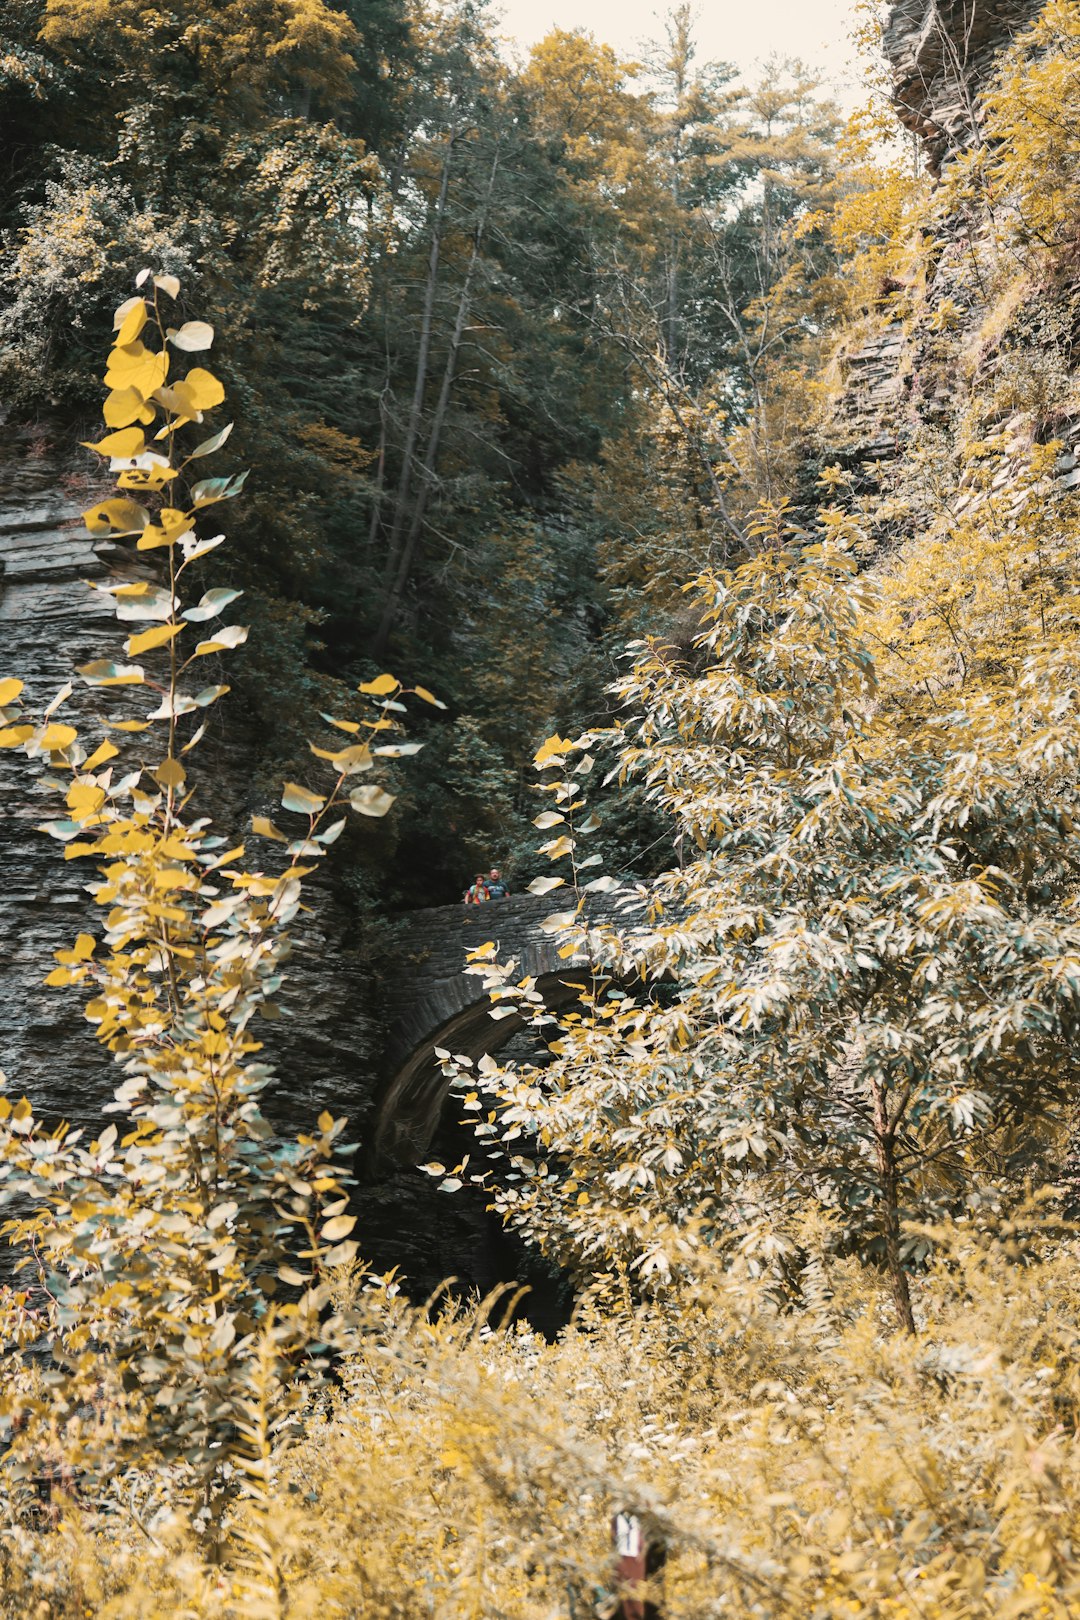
[967,342]
[327,1050]
[941,53]
[51,620]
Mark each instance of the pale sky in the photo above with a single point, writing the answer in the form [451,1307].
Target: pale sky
[739,31]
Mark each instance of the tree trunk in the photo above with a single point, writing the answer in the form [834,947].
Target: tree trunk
[885,1148]
[431,451]
[416,407]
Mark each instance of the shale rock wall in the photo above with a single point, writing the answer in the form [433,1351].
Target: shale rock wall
[50,621]
[966,344]
[329,1050]
[941,53]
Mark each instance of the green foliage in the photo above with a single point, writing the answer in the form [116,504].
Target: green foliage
[861,985]
[813,1068]
[444,282]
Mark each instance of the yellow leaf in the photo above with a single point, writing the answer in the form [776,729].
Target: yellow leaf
[155,637]
[266,829]
[12,736]
[116,517]
[428,697]
[170,773]
[129,441]
[57,736]
[551,748]
[356,758]
[85,798]
[85,947]
[203,389]
[171,526]
[132,323]
[124,406]
[136,367]
[380,686]
[9,690]
[125,307]
[153,478]
[339,1227]
[105,752]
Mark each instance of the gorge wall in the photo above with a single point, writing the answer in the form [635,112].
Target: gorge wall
[940,54]
[330,1049]
[953,347]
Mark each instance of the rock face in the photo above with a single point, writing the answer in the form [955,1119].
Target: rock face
[50,622]
[329,1050]
[968,340]
[940,53]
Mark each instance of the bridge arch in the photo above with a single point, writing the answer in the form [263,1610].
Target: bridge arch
[433,1002]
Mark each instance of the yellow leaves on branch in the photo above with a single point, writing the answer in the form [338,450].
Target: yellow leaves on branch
[147,640]
[552,751]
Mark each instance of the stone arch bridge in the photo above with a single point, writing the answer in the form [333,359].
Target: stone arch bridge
[433,1002]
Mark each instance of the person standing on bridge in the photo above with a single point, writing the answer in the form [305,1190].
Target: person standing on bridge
[478,892]
[496,888]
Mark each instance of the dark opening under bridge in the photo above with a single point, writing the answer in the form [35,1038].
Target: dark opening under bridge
[433,1002]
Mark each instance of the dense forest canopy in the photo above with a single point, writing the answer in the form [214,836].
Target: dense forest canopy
[644,454]
[473,311]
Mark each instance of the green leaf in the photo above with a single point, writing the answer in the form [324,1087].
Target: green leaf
[208,446]
[210,490]
[544,885]
[333,832]
[230,635]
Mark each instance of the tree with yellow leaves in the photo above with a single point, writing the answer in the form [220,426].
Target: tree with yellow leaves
[183,1253]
